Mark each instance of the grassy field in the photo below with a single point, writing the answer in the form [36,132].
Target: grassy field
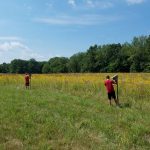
[71,112]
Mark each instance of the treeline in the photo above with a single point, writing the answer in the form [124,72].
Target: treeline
[127,57]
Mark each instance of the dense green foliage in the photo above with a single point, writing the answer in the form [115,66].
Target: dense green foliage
[127,57]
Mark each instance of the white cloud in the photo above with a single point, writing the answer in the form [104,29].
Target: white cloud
[90,3]
[99,4]
[132,2]
[72,3]
[79,20]
[7,46]
[11,48]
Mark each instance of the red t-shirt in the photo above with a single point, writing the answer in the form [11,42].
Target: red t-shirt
[27,78]
[109,85]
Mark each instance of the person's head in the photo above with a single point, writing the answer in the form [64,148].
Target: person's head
[107,77]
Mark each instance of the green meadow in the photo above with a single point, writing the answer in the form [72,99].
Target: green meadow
[71,112]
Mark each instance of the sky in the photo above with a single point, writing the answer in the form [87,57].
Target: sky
[43,29]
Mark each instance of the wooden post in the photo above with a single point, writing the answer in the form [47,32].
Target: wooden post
[30,79]
[117,92]
[115,78]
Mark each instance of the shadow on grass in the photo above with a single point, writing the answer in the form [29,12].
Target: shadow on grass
[125,105]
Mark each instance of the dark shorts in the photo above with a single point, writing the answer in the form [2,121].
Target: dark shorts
[26,84]
[112,95]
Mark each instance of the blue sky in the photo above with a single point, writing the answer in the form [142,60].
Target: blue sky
[42,29]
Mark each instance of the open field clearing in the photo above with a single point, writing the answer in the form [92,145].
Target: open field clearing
[71,112]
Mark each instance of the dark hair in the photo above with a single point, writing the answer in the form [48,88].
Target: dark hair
[107,77]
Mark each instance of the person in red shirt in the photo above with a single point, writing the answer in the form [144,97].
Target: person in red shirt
[110,89]
[27,80]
